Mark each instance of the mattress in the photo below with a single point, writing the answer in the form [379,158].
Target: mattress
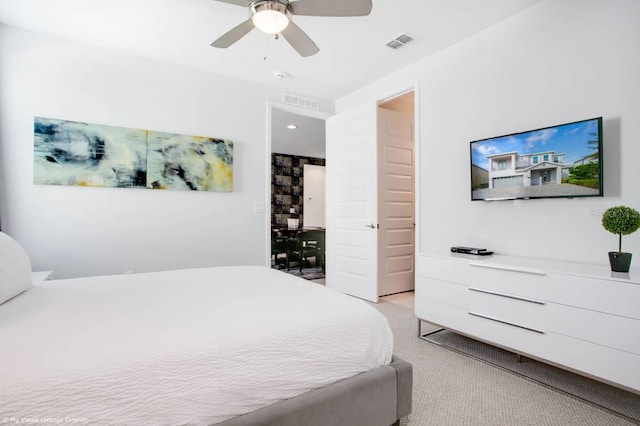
[189,347]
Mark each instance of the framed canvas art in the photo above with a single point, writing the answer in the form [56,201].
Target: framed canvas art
[84,154]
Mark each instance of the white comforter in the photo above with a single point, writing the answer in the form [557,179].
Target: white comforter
[192,346]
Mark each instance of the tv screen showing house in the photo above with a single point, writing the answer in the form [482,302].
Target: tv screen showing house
[558,161]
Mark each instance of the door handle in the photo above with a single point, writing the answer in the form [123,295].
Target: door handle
[373,226]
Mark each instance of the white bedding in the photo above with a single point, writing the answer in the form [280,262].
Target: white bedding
[188,347]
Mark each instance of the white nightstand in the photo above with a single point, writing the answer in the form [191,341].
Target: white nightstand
[40,276]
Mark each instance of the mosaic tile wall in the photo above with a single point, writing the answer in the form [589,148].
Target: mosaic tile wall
[287,181]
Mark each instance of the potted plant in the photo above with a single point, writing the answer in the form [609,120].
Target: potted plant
[620,220]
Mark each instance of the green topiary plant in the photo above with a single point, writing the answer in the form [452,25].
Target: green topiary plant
[621,220]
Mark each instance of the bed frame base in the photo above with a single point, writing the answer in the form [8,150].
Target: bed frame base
[379,397]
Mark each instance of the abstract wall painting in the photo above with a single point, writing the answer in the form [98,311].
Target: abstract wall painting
[76,153]
[189,162]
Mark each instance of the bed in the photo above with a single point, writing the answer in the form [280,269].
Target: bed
[225,345]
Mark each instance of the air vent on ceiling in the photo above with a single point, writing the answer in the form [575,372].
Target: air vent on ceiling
[301,102]
[400,41]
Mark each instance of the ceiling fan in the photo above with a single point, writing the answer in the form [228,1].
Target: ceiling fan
[274,17]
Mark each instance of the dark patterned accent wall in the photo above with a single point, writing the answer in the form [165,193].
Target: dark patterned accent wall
[287,182]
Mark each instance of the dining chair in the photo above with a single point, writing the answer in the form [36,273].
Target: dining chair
[311,245]
[278,249]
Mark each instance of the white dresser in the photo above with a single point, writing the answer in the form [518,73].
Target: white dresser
[581,317]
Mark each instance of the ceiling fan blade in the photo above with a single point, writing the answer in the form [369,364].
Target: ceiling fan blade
[299,40]
[331,7]
[234,34]
[243,3]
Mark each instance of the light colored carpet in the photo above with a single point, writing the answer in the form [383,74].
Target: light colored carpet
[599,393]
[453,389]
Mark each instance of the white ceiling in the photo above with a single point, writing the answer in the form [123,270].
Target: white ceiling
[307,140]
[352,53]
[352,50]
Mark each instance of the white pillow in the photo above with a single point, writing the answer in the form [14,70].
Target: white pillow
[15,268]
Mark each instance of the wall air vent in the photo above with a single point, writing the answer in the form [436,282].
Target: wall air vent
[400,41]
[301,102]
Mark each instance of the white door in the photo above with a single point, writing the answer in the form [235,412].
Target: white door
[396,206]
[351,199]
[313,196]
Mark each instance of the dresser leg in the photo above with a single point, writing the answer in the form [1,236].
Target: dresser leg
[421,335]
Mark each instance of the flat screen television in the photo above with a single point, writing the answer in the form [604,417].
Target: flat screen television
[562,161]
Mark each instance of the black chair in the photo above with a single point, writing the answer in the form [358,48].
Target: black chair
[294,254]
[279,246]
[310,245]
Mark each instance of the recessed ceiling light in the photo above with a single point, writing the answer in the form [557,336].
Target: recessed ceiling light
[292,127]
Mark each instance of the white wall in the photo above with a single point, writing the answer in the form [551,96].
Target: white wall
[77,231]
[555,62]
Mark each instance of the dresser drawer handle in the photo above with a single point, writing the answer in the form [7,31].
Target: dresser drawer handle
[495,293]
[505,322]
[508,268]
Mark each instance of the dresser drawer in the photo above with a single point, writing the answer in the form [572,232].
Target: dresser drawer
[612,365]
[600,295]
[441,291]
[531,283]
[613,331]
[526,312]
[494,332]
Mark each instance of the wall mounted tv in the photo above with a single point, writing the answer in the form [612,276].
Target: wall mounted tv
[562,161]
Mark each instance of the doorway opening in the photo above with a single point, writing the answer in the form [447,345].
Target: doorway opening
[396,195]
[295,190]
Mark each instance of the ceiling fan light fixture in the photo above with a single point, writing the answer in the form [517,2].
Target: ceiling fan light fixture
[270,16]
[274,17]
